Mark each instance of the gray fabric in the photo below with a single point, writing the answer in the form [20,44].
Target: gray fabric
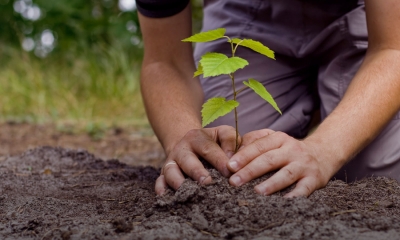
[319,45]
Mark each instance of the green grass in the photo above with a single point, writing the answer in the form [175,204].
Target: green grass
[94,88]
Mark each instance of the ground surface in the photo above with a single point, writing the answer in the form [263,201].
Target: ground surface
[136,147]
[56,193]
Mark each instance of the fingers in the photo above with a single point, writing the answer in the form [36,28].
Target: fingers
[303,188]
[172,174]
[188,162]
[259,166]
[227,138]
[215,145]
[255,149]
[161,185]
[207,147]
[280,180]
[250,137]
[265,151]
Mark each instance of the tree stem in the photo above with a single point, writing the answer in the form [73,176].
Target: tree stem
[232,76]
[240,90]
[236,114]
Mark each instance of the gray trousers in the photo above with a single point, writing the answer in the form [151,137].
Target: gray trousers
[319,46]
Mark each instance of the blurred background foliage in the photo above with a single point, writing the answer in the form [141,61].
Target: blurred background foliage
[72,61]
[69,27]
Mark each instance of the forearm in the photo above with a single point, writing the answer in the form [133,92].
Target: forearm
[172,102]
[172,97]
[371,101]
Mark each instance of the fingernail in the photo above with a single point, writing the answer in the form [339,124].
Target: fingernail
[203,179]
[288,196]
[236,180]
[257,189]
[161,192]
[233,165]
[229,154]
[260,190]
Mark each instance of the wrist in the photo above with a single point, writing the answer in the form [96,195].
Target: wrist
[329,155]
[169,142]
[168,148]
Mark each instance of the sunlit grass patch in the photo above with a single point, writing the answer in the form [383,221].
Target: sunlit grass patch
[100,88]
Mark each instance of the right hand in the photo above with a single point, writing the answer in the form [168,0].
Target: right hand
[215,145]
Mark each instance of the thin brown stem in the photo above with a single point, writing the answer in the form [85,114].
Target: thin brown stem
[240,90]
[232,76]
[236,114]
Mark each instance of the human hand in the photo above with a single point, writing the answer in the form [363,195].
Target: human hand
[265,150]
[215,145]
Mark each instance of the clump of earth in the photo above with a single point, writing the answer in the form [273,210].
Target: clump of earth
[55,193]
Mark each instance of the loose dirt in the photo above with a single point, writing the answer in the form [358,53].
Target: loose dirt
[54,193]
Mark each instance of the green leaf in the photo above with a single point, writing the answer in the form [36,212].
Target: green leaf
[255,46]
[215,108]
[215,64]
[262,92]
[206,36]
[199,71]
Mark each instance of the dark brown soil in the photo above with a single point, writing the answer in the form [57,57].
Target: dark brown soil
[53,193]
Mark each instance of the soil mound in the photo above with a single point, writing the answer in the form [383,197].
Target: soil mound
[54,193]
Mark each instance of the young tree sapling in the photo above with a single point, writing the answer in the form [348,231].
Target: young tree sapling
[213,64]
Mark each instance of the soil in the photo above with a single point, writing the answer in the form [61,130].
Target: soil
[55,193]
[137,147]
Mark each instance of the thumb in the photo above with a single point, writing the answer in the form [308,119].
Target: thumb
[227,140]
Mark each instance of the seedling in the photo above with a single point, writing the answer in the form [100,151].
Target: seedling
[215,64]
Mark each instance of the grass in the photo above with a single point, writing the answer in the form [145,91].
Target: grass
[93,88]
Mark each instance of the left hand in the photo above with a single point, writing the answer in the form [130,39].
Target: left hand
[216,145]
[265,150]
